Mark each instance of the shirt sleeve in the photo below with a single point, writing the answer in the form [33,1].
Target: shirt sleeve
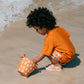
[48,46]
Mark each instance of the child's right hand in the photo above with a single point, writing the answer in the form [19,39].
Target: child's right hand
[36,66]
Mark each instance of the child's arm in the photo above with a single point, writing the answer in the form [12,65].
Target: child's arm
[38,58]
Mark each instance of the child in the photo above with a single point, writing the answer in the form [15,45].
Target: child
[57,46]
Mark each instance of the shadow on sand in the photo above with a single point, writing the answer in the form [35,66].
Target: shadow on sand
[75,62]
[36,71]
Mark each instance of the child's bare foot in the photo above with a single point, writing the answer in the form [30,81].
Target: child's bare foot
[56,67]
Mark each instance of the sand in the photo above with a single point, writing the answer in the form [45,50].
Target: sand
[18,39]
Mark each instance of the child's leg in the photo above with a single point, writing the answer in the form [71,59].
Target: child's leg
[55,66]
[54,61]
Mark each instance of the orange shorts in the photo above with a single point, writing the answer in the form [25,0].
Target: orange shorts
[62,57]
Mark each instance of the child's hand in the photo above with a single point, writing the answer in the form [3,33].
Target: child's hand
[36,66]
[38,58]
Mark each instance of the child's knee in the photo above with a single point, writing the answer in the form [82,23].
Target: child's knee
[55,61]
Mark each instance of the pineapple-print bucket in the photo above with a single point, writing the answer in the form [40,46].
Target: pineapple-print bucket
[26,66]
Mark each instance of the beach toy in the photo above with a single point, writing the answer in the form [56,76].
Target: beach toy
[26,66]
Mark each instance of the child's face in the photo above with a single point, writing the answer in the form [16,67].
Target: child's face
[42,31]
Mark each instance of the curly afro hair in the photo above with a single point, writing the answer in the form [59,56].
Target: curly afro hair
[41,17]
